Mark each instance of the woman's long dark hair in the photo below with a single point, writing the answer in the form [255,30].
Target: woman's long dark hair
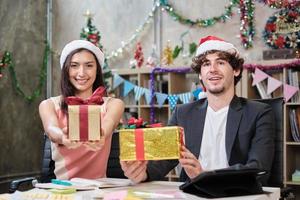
[66,87]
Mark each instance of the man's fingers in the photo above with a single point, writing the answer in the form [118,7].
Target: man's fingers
[131,168]
[140,170]
[139,174]
[187,155]
[189,162]
[188,168]
[134,170]
[139,178]
[126,165]
[123,165]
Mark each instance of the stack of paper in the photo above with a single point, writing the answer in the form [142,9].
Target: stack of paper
[87,184]
[102,182]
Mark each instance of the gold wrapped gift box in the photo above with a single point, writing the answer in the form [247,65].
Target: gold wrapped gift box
[161,143]
[84,122]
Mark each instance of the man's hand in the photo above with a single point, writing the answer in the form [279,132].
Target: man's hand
[190,163]
[135,170]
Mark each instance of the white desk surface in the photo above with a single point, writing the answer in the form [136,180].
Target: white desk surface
[173,188]
[167,190]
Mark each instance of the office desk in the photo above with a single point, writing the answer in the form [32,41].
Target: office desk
[170,190]
[159,190]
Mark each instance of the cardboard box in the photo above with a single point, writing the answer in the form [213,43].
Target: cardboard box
[84,122]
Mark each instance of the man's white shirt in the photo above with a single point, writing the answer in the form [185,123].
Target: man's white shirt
[213,152]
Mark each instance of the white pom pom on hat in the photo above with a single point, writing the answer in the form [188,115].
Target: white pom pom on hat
[214,43]
[78,44]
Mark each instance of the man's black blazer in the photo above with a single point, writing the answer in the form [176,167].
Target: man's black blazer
[250,134]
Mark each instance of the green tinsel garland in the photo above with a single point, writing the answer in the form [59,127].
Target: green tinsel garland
[7,60]
[246,7]
[199,22]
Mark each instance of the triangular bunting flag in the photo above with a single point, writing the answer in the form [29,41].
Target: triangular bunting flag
[117,80]
[128,86]
[148,96]
[161,98]
[202,95]
[173,101]
[289,91]
[273,84]
[196,93]
[139,91]
[185,97]
[259,76]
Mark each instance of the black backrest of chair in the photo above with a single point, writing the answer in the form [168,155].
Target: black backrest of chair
[114,169]
[276,174]
[47,162]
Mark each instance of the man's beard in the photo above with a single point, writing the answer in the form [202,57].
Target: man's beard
[216,90]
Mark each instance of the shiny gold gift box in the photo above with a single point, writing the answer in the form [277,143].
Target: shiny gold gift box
[84,122]
[161,143]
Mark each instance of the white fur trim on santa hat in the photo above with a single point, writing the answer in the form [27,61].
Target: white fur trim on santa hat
[215,45]
[78,44]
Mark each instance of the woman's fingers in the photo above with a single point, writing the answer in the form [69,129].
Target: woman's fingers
[94,145]
[65,130]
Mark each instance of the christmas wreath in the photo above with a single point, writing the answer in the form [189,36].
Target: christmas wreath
[282,30]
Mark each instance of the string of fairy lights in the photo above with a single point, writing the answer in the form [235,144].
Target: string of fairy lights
[135,36]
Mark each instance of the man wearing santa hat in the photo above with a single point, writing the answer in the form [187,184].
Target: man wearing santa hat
[221,131]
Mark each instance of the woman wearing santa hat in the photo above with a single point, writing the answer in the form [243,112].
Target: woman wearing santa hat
[81,79]
[222,130]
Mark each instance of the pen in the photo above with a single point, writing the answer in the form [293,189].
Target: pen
[60,182]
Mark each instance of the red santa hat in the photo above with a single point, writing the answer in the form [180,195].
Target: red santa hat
[78,44]
[214,43]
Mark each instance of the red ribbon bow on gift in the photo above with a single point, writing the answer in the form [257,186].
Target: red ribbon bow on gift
[137,122]
[96,98]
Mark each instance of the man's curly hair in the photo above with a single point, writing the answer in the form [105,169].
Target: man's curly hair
[232,58]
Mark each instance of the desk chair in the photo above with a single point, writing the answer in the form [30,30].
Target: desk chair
[276,174]
[114,169]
